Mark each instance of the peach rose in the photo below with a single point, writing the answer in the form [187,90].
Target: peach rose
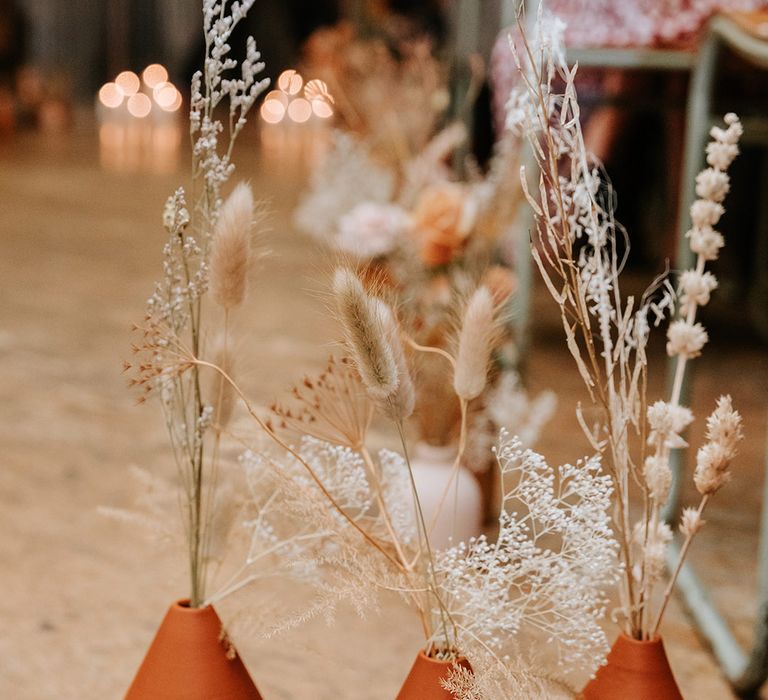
[441,222]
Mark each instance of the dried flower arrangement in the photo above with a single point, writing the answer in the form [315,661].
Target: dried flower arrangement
[327,510]
[429,238]
[209,250]
[350,523]
[576,249]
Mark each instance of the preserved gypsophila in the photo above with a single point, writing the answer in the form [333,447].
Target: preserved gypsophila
[547,573]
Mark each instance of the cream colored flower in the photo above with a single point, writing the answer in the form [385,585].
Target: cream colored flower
[690,522]
[724,425]
[658,478]
[714,458]
[732,134]
[666,421]
[706,213]
[686,339]
[705,241]
[695,289]
[721,155]
[712,462]
[712,184]
[655,551]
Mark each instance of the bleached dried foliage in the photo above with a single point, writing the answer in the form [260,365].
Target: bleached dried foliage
[293,532]
[209,247]
[516,678]
[547,573]
[576,248]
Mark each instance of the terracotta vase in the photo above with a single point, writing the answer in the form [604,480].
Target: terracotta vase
[423,681]
[432,468]
[188,660]
[636,670]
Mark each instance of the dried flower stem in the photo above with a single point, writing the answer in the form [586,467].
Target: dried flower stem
[654,629]
[433,587]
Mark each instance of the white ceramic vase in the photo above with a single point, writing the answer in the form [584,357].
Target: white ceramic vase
[432,468]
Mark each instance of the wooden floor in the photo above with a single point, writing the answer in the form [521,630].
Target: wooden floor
[80,596]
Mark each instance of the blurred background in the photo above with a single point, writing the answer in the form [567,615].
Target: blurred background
[93,138]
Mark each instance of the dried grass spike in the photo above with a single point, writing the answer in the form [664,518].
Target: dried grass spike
[476,340]
[403,400]
[365,335]
[231,250]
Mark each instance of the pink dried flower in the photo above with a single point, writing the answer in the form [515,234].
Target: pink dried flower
[371,229]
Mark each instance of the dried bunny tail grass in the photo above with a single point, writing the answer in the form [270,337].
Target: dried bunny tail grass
[231,248]
[478,334]
[402,402]
[364,327]
[220,394]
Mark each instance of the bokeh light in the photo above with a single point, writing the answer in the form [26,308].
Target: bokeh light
[317,89]
[290,82]
[165,94]
[139,105]
[299,110]
[321,108]
[176,104]
[154,74]
[110,95]
[272,111]
[128,82]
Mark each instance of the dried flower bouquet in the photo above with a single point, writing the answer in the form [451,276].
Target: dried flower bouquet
[349,522]
[207,256]
[429,237]
[576,248]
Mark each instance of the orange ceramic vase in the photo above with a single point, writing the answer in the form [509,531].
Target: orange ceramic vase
[188,660]
[636,670]
[423,682]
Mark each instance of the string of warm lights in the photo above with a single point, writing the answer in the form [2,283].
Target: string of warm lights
[288,100]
